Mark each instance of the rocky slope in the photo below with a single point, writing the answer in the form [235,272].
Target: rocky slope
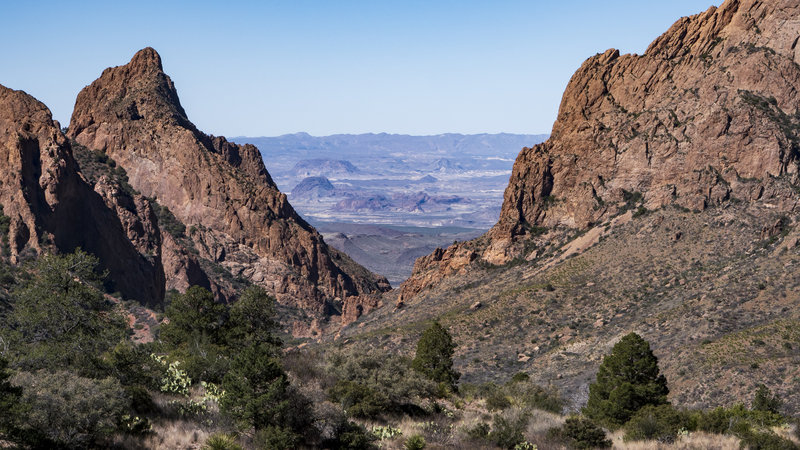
[51,207]
[221,191]
[708,115]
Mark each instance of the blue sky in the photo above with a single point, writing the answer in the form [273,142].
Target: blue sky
[264,68]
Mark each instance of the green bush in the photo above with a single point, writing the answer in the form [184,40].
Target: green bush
[497,400]
[762,440]
[765,401]
[508,428]
[479,431]
[373,383]
[660,423]
[10,407]
[415,442]
[140,399]
[581,432]
[71,411]
[350,436]
[60,318]
[359,400]
[520,377]
[276,438]
[529,395]
[221,441]
[628,379]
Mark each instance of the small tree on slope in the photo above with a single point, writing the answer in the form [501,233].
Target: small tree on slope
[628,379]
[434,357]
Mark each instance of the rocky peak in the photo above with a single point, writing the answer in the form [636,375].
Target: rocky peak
[52,208]
[132,113]
[708,115]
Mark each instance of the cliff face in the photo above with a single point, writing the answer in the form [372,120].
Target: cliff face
[221,190]
[709,114]
[51,206]
[712,103]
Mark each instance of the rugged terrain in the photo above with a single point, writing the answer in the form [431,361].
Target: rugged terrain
[235,214]
[665,202]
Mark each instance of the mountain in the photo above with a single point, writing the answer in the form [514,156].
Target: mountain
[312,188]
[323,167]
[665,202]
[222,191]
[705,117]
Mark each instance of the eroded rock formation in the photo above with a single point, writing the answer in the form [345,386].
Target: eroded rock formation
[222,191]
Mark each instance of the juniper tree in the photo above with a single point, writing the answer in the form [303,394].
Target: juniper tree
[434,357]
[628,379]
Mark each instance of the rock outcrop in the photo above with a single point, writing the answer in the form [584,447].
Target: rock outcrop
[52,208]
[221,190]
[709,114]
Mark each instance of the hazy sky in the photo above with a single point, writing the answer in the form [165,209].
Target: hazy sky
[264,68]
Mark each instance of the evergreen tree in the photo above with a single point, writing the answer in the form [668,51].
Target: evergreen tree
[765,401]
[434,357]
[60,317]
[628,379]
[252,319]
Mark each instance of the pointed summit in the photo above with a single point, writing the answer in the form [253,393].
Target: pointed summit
[146,57]
[222,190]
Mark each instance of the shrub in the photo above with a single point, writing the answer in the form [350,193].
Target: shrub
[507,429]
[351,436]
[221,441]
[434,356]
[69,410]
[660,423]
[372,383]
[581,432]
[628,379]
[762,440]
[10,408]
[479,431]
[765,401]
[276,438]
[61,318]
[497,400]
[530,395]
[415,442]
[519,377]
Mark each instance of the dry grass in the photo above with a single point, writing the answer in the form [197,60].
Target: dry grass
[177,434]
[693,441]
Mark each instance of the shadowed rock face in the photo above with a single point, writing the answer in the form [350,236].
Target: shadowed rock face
[707,115]
[51,207]
[132,113]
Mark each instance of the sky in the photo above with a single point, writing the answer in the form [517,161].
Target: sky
[266,68]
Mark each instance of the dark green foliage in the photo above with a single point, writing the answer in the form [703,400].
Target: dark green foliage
[479,431]
[351,436]
[10,407]
[258,396]
[256,388]
[765,401]
[168,222]
[762,440]
[434,357]
[725,420]
[660,423]
[60,318]
[530,395]
[195,334]
[276,438]
[581,432]
[359,400]
[370,384]
[95,164]
[507,430]
[628,380]
[141,400]
[252,319]
[520,377]
[68,411]
[497,400]
[133,365]
[5,223]
[415,442]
